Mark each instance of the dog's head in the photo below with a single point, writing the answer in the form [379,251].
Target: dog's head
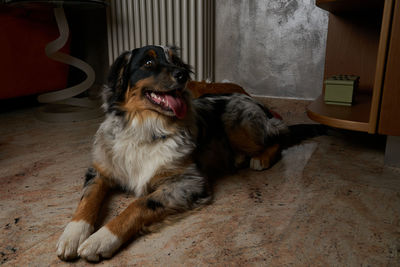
[148,79]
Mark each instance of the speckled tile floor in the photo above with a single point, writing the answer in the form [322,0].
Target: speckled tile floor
[328,202]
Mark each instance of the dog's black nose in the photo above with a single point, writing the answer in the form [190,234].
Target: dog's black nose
[180,76]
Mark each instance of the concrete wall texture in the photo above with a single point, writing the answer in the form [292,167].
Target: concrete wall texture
[271,47]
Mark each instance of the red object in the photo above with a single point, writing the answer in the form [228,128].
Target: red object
[276,115]
[24,67]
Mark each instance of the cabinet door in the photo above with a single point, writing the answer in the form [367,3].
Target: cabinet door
[389,122]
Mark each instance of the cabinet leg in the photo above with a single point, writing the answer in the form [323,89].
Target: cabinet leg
[392,151]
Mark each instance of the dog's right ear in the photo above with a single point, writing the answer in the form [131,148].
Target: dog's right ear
[117,81]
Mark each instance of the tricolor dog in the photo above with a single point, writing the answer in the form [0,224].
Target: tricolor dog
[162,146]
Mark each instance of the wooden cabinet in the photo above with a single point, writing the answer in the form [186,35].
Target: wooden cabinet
[364,40]
[389,119]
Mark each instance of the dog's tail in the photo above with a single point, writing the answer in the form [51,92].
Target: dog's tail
[300,132]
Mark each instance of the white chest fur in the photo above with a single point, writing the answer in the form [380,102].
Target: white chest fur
[133,154]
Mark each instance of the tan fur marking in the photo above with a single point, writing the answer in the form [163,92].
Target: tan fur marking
[269,156]
[171,54]
[134,218]
[90,203]
[152,53]
[137,106]
[243,142]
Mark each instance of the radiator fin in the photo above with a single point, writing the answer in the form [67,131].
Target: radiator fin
[188,24]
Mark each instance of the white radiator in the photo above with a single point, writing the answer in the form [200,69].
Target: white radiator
[188,24]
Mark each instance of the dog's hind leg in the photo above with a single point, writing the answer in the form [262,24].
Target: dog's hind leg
[82,223]
[261,157]
[253,131]
[247,144]
[266,158]
[173,194]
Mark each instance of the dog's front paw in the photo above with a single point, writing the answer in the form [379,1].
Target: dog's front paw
[74,235]
[103,244]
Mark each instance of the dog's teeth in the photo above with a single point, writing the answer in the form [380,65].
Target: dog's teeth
[153,95]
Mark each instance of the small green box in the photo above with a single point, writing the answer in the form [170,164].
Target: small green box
[339,89]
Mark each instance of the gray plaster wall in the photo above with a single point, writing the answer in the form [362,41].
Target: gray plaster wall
[271,47]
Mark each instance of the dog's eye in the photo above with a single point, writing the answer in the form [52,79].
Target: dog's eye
[149,63]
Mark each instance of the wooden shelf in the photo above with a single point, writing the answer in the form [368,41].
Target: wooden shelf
[354,118]
[363,40]
[347,6]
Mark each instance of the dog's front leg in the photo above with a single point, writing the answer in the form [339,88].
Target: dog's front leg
[110,237]
[82,223]
[175,194]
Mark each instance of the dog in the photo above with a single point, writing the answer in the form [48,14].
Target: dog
[164,147]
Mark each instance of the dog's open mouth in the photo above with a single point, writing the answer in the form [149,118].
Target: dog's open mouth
[171,101]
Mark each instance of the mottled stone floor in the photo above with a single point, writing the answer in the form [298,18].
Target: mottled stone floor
[328,202]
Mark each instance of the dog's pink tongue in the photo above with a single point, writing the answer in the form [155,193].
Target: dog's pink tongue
[178,106]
